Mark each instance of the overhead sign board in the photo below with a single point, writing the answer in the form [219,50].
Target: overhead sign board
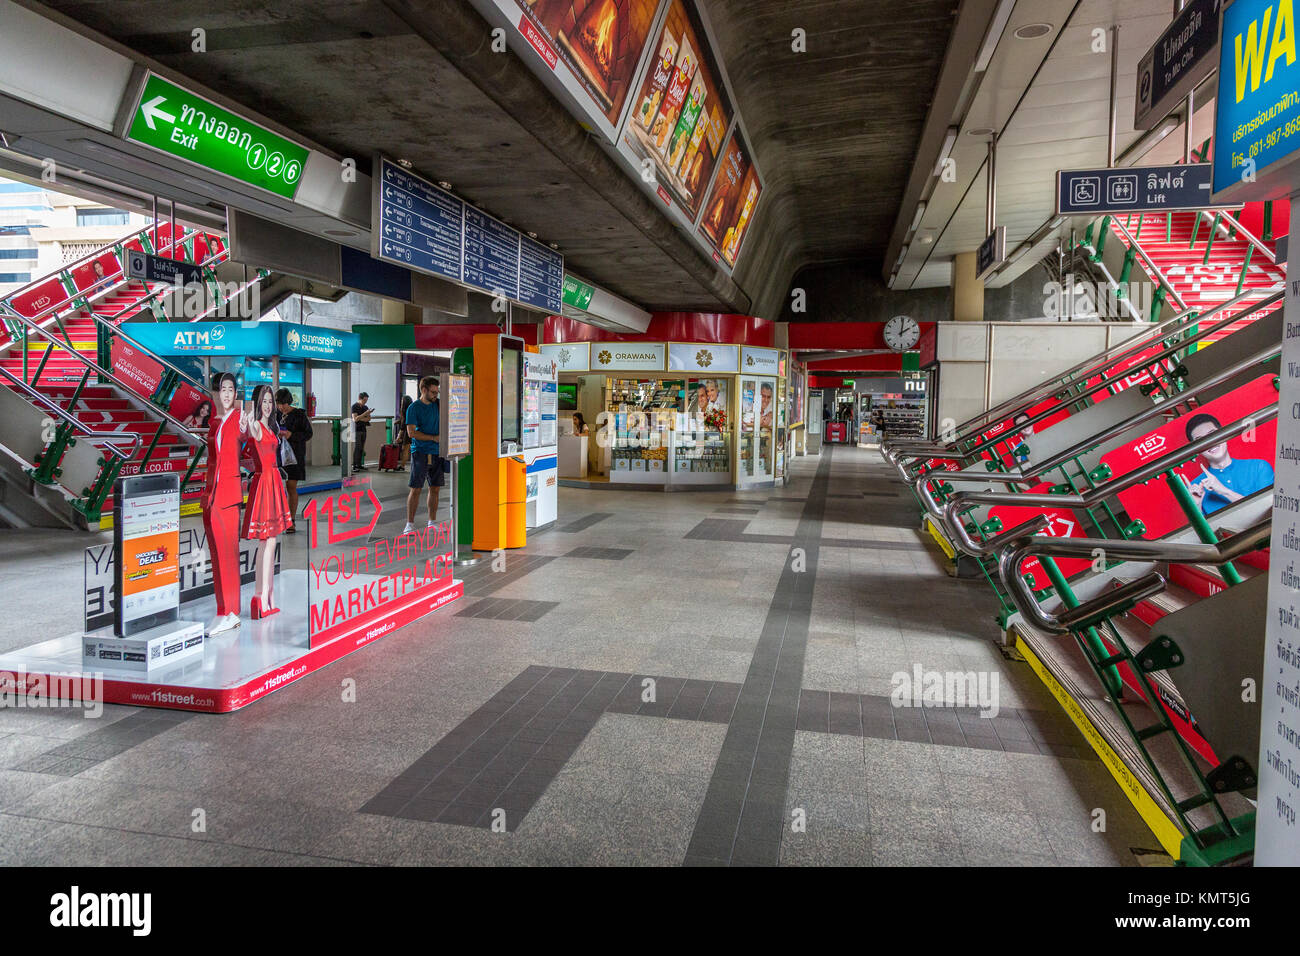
[1091,192]
[577,293]
[183,124]
[422,227]
[705,358]
[991,252]
[569,356]
[255,339]
[760,361]
[142,265]
[1257,107]
[1184,55]
[628,356]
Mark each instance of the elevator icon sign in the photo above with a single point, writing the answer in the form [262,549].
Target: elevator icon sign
[1126,189]
[1121,190]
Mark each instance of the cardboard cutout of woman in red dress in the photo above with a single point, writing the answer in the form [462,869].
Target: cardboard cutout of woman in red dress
[221,500]
[267,515]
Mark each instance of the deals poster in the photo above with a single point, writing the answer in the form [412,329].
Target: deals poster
[735,193]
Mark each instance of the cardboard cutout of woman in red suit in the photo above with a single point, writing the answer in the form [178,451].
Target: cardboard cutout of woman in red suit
[221,499]
[267,514]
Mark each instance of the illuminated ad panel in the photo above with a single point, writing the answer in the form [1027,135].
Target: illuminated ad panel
[730,209]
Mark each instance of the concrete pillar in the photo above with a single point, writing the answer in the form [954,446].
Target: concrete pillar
[967,291]
[394,313]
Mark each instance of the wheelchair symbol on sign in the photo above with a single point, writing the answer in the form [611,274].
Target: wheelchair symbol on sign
[1086,191]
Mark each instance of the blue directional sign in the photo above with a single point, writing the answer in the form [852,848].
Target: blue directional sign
[421,227]
[418,225]
[541,276]
[1090,192]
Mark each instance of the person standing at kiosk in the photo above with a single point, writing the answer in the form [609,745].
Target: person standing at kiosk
[422,424]
[221,499]
[360,419]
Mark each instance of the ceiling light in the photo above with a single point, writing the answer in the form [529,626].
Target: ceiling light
[926,238]
[443,184]
[555,246]
[980,131]
[1032,31]
[998,24]
[920,211]
[902,254]
[948,141]
[1055,223]
[532,235]
[404,163]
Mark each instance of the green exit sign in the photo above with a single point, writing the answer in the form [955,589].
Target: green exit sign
[180,123]
[577,293]
[849,382]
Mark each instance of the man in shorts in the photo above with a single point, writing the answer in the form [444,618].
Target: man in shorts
[422,424]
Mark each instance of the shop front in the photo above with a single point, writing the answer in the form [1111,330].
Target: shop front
[672,415]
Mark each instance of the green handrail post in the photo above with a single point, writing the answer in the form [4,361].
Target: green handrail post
[1196,229]
[1157,303]
[1129,258]
[1111,676]
[1209,243]
[47,468]
[1183,494]
[1241,279]
[1268,221]
[336,430]
[1101,239]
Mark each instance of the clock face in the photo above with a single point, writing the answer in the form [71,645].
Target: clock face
[902,333]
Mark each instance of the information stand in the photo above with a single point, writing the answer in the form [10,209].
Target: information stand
[454,440]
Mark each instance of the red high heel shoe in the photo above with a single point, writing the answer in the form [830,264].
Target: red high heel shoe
[255,608]
[267,611]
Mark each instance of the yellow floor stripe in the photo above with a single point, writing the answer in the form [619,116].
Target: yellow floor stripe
[1165,829]
[938,536]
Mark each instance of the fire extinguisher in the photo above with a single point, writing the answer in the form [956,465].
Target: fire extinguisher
[311,406]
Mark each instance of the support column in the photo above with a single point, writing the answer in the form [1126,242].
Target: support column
[967,291]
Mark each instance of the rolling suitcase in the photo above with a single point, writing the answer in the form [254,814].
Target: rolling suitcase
[390,458]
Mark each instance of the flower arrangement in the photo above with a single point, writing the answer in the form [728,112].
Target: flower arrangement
[716,420]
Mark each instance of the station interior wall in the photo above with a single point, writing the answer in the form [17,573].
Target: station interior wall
[984,363]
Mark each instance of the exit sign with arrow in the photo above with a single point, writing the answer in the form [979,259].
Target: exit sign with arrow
[183,124]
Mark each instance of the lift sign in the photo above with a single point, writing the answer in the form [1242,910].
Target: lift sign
[1257,114]
[183,124]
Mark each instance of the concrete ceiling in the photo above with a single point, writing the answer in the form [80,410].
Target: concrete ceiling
[834,130]
[1048,98]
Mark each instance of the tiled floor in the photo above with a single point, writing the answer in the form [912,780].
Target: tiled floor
[700,678]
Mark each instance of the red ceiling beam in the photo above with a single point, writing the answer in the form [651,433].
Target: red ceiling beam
[841,335]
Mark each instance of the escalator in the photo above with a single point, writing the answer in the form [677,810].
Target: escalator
[1085,502]
[71,423]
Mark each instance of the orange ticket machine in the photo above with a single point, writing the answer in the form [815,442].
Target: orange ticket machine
[500,481]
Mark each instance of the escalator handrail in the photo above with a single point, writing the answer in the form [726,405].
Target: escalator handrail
[1153,269]
[984,443]
[1250,236]
[951,510]
[187,434]
[1034,474]
[108,439]
[1172,552]
[49,312]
